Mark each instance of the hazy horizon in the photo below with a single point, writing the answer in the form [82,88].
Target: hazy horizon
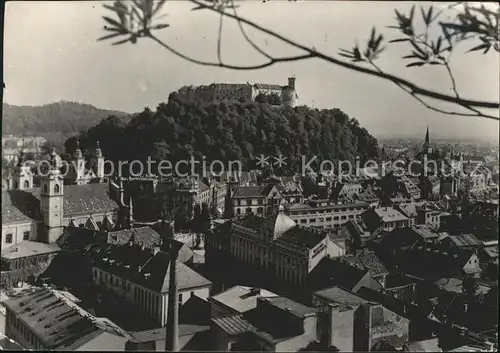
[51,54]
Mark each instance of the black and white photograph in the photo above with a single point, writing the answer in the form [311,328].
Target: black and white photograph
[250,175]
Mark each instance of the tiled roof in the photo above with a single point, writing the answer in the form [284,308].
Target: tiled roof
[330,273]
[434,263]
[289,305]
[20,206]
[241,298]
[464,240]
[267,86]
[338,295]
[252,191]
[76,238]
[144,236]
[424,231]
[160,333]
[233,325]
[365,260]
[28,248]
[389,214]
[303,237]
[145,268]
[57,322]
[24,205]
[409,210]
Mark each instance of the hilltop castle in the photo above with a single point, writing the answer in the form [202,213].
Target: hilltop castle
[246,92]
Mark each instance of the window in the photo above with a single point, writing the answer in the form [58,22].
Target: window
[45,188]
[26,235]
[180,298]
[8,238]
[56,189]
[26,184]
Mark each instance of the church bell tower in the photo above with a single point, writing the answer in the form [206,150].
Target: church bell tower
[52,200]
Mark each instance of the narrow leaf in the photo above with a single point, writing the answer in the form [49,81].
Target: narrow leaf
[346,55]
[112,22]
[438,45]
[424,16]
[109,36]
[412,56]
[420,50]
[377,43]
[412,12]
[112,29]
[160,26]
[479,47]
[400,40]
[429,15]
[121,42]
[415,64]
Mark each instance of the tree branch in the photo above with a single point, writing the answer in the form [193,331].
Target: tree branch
[245,35]
[421,101]
[219,40]
[416,90]
[271,61]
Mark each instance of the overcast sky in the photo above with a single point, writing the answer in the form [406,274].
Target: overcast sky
[51,54]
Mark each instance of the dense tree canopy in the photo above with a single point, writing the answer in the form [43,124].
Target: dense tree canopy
[184,128]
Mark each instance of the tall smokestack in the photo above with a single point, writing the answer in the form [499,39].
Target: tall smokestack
[172,337]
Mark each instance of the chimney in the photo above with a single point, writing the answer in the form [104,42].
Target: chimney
[255,291]
[172,326]
[291,82]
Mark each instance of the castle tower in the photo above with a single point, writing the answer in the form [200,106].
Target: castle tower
[289,95]
[23,177]
[52,200]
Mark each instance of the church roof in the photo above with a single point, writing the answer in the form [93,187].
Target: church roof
[24,205]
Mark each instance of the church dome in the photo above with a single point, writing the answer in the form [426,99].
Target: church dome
[277,225]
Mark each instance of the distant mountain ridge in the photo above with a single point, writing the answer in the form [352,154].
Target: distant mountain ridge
[54,121]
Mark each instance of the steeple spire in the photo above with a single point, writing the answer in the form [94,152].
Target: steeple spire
[427,144]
